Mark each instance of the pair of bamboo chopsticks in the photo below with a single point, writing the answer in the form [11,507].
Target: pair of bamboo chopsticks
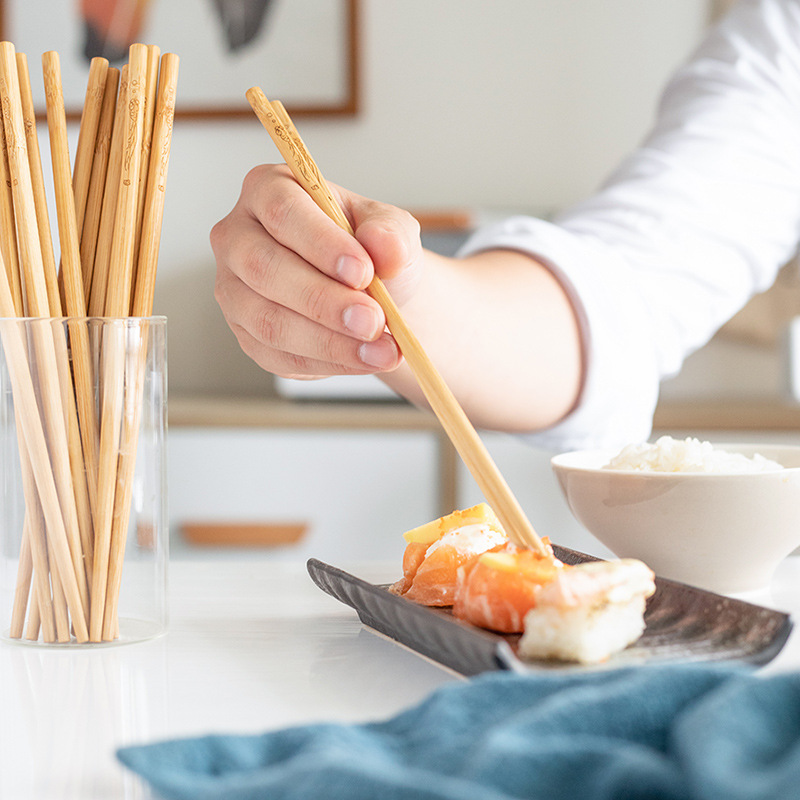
[462,434]
[77,463]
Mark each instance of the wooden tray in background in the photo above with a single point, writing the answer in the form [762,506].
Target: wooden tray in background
[243,534]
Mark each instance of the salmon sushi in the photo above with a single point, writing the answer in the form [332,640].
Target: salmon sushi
[497,589]
[588,612]
[435,551]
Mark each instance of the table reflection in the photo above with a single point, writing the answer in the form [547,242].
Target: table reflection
[64,713]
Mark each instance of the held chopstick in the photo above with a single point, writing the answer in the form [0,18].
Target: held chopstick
[450,414]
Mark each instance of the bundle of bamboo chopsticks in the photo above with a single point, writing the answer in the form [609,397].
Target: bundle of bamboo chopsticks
[77,417]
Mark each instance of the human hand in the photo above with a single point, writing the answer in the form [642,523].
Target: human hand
[290,281]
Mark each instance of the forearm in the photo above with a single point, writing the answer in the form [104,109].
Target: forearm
[503,333]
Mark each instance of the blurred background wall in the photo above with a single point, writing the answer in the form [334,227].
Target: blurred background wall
[496,107]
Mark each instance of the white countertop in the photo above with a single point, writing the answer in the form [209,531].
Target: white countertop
[252,645]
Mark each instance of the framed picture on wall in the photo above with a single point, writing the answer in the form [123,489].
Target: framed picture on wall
[302,52]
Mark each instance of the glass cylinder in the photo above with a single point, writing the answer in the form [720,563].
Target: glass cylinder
[84,539]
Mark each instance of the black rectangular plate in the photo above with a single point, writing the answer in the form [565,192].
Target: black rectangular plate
[683,623]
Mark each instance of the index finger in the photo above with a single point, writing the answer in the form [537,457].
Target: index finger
[288,214]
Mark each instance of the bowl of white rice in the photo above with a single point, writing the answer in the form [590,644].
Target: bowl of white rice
[718,516]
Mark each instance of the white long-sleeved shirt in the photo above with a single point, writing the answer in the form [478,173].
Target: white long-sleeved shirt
[701,217]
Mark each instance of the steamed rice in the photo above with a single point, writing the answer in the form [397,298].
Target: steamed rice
[589,612]
[689,455]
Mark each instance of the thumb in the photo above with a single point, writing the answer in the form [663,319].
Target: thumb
[391,238]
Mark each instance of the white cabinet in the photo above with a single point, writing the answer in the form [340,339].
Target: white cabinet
[361,474]
[358,490]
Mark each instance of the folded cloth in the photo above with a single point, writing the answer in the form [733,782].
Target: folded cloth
[712,732]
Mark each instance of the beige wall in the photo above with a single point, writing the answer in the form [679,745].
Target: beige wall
[503,105]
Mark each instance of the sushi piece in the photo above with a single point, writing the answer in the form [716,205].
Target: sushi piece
[498,588]
[437,549]
[588,612]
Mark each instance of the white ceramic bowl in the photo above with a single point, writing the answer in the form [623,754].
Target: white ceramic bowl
[719,531]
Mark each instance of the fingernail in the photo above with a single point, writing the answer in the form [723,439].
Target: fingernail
[351,271]
[361,320]
[381,354]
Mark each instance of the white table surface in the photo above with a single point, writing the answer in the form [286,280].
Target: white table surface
[252,645]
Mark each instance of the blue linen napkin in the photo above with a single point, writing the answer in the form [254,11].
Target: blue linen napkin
[710,732]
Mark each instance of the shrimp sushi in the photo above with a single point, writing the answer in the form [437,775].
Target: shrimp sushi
[588,612]
[497,589]
[435,551]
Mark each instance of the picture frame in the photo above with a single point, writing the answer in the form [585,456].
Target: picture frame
[302,52]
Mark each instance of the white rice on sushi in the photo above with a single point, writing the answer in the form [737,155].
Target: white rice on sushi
[589,612]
